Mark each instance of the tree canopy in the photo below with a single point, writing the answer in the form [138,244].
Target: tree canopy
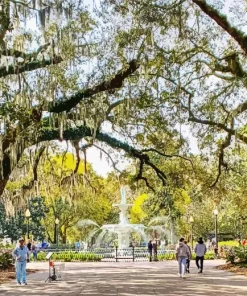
[132,76]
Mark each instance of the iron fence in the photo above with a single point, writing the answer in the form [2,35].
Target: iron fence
[108,254]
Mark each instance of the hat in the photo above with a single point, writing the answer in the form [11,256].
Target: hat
[21,239]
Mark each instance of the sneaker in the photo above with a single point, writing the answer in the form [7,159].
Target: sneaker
[183,276]
[24,284]
[200,271]
[18,284]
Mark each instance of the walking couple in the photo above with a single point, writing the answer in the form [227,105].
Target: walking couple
[184,255]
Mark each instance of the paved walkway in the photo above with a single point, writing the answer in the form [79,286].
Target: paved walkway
[130,278]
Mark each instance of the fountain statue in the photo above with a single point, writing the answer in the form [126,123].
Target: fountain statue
[124,228]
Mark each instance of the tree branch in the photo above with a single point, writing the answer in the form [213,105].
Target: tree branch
[230,130]
[113,163]
[29,66]
[78,160]
[5,24]
[27,56]
[35,169]
[84,131]
[169,155]
[222,21]
[240,109]
[139,176]
[114,105]
[110,85]
[24,4]
[221,162]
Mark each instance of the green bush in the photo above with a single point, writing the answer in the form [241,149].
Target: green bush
[231,255]
[5,259]
[208,256]
[172,256]
[68,256]
[166,256]
[229,244]
[6,246]
[237,254]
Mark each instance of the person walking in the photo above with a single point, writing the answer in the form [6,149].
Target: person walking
[150,250]
[21,256]
[188,259]
[200,251]
[34,251]
[29,245]
[182,254]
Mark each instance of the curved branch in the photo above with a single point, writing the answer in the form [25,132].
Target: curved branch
[27,56]
[221,162]
[113,163]
[222,21]
[5,20]
[35,169]
[78,160]
[168,155]
[84,131]
[139,176]
[110,85]
[29,66]
[114,105]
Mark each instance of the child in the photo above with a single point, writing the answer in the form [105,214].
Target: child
[188,259]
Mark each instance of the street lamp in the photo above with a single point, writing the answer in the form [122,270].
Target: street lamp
[57,222]
[216,227]
[28,216]
[191,231]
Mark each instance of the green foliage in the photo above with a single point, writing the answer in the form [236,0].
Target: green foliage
[38,211]
[231,255]
[16,226]
[228,244]
[238,254]
[5,259]
[67,256]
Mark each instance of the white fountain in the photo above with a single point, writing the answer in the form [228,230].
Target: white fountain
[124,228]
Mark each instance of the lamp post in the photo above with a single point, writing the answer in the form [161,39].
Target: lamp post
[191,231]
[216,227]
[27,215]
[57,222]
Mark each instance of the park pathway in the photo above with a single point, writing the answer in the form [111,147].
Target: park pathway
[130,278]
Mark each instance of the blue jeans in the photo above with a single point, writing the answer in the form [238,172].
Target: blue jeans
[21,271]
[182,265]
[35,256]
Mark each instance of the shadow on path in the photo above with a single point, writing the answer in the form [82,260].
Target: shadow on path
[125,279]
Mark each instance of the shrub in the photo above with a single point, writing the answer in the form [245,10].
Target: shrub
[237,254]
[5,259]
[231,255]
[67,256]
[166,256]
[228,244]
